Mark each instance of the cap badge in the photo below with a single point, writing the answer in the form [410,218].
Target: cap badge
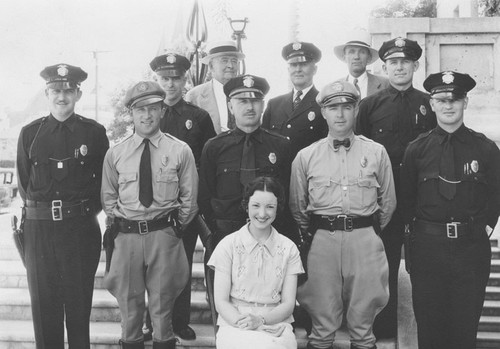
[164,160]
[297,46]
[62,70]
[337,87]
[84,150]
[248,81]
[400,42]
[142,87]
[272,158]
[474,165]
[423,110]
[311,116]
[448,77]
[171,59]
[363,161]
[189,124]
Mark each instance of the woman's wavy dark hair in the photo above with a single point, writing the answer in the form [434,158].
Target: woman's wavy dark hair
[268,184]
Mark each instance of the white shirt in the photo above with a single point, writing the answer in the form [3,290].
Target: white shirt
[304,92]
[362,83]
[221,99]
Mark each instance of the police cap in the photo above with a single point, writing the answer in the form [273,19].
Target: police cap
[449,84]
[400,47]
[144,93]
[170,64]
[246,86]
[296,52]
[63,76]
[337,92]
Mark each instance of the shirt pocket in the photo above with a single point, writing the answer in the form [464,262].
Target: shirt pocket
[382,128]
[368,190]
[321,192]
[41,172]
[128,187]
[228,180]
[428,189]
[167,186]
[477,188]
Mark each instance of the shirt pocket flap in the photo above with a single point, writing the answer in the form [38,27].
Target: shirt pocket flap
[320,182]
[427,176]
[127,177]
[167,177]
[368,182]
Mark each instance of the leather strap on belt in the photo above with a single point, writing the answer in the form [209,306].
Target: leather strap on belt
[144,227]
[340,222]
[57,210]
[452,230]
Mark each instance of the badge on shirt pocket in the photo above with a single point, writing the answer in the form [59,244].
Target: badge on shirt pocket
[164,160]
[189,124]
[272,158]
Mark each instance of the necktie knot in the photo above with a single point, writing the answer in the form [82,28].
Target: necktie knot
[346,143]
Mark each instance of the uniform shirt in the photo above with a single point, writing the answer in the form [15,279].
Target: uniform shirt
[72,151]
[302,126]
[357,181]
[220,189]
[386,118]
[257,270]
[175,179]
[190,124]
[477,167]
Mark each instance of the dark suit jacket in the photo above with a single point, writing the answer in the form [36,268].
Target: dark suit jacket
[303,126]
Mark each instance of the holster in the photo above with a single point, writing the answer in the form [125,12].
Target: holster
[407,245]
[304,247]
[18,234]
[108,242]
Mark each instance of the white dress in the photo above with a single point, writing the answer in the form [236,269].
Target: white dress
[257,273]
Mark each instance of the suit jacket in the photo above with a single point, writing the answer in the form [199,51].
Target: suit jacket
[302,126]
[375,83]
[203,96]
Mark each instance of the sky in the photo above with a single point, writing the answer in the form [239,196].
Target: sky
[38,33]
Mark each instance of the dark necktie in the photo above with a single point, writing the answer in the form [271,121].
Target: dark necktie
[357,86]
[145,176]
[247,168]
[404,118]
[447,183]
[346,143]
[59,161]
[297,99]
[231,122]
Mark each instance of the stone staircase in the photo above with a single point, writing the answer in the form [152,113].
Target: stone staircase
[16,329]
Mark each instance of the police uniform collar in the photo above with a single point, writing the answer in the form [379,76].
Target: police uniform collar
[256,135]
[53,123]
[175,107]
[250,243]
[394,92]
[154,139]
[459,134]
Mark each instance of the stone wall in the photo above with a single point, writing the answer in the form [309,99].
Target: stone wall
[468,45]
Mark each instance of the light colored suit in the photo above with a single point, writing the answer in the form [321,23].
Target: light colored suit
[203,96]
[375,83]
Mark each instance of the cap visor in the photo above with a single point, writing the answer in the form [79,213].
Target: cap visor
[298,59]
[339,100]
[247,94]
[170,72]
[62,85]
[141,102]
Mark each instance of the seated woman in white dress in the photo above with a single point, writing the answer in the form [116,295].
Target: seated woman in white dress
[256,272]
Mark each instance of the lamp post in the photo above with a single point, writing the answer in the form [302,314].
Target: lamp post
[238,26]
[196,34]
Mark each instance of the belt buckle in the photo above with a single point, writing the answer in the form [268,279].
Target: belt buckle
[56,210]
[348,222]
[452,230]
[143,227]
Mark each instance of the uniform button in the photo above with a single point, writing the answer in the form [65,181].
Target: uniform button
[82,162]
[311,127]
[288,126]
[287,137]
[36,162]
[225,170]
[344,188]
[57,193]
[380,130]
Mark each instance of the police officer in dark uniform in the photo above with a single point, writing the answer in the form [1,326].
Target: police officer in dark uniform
[296,115]
[59,161]
[194,126]
[450,186]
[393,117]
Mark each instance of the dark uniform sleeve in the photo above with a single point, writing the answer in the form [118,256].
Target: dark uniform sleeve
[207,187]
[103,142]
[408,185]
[23,164]
[207,126]
[493,179]
[363,126]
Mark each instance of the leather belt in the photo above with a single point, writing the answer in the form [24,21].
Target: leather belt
[452,230]
[57,210]
[340,222]
[144,227]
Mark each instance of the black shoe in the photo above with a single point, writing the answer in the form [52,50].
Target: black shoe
[186,333]
[147,333]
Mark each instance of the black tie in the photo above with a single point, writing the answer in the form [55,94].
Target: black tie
[247,170]
[297,99]
[145,176]
[404,119]
[346,143]
[447,183]
[231,122]
[59,163]
[357,86]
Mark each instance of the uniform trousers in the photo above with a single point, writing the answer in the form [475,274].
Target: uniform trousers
[155,262]
[346,270]
[449,278]
[61,262]
[386,322]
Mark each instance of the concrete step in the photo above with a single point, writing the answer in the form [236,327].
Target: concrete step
[15,305]
[494,242]
[495,265]
[488,340]
[105,335]
[494,279]
[493,293]
[491,308]
[489,324]
[495,252]
[13,274]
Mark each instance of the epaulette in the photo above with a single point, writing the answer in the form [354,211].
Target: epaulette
[123,141]
[422,136]
[88,121]
[480,135]
[36,122]
[168,135]
[365,139]
[274,134]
